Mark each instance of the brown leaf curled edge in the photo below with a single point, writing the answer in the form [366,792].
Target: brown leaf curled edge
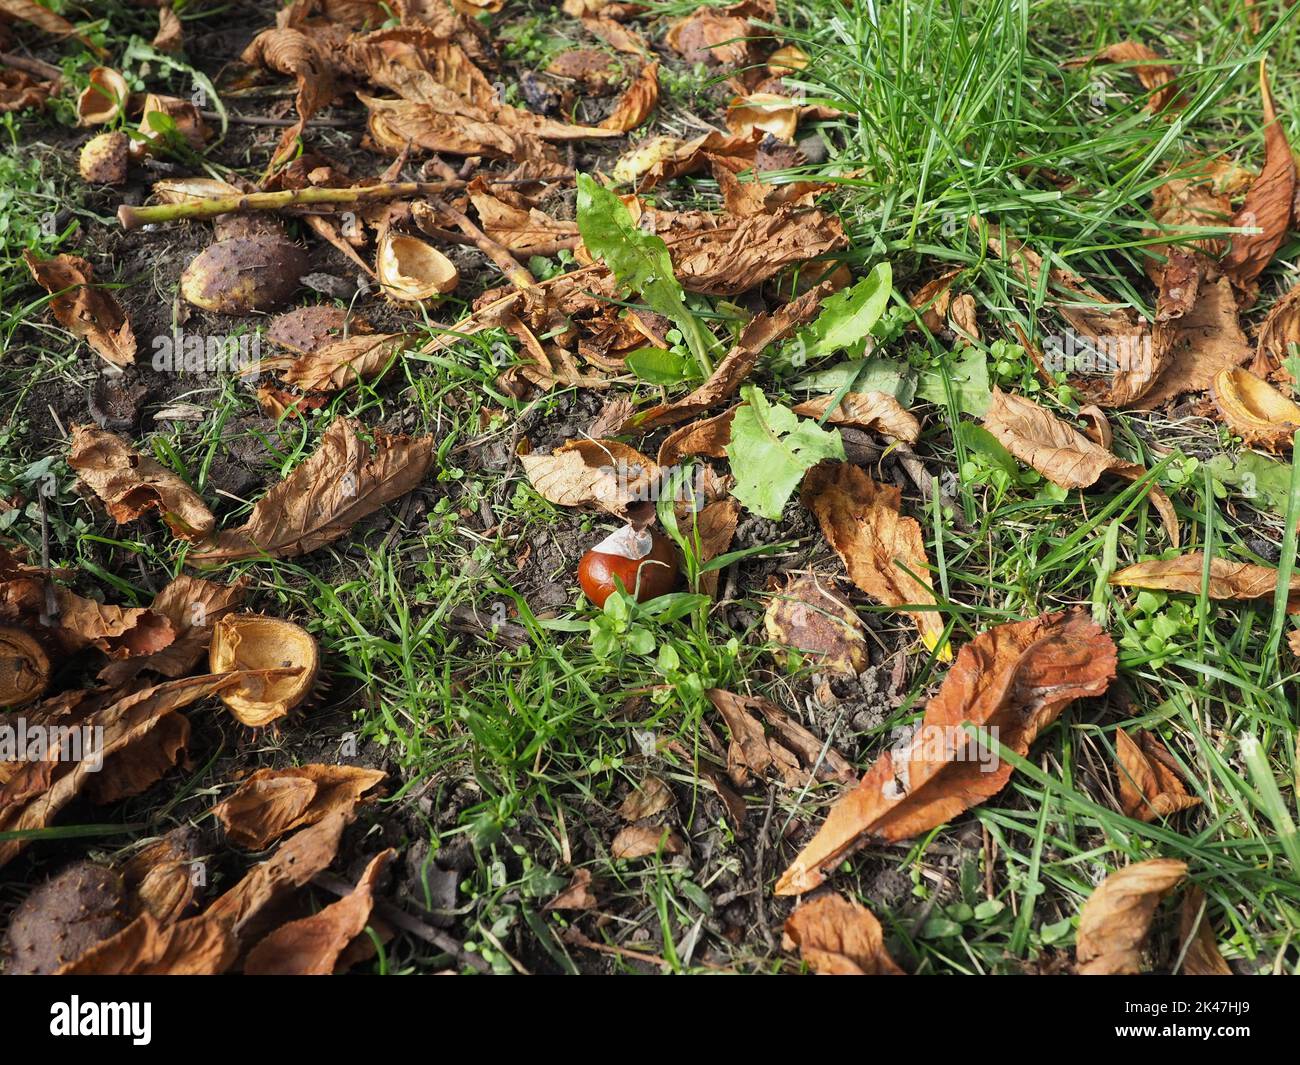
[1016,678]
[341,482]
[839,937]
[1114,922]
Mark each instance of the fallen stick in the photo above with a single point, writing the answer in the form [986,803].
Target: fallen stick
[134,217]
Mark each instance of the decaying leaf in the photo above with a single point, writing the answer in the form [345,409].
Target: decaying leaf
[160,878]
[1200,952]
[577,896]
[290,51]
[24,667]
[1228,579]
[661,158]
[1267,209]
[85,311]
[1061,453]
[1150,67]
[1114,922]
[196,946]
[883,551]
[839,937]
[1016,678]
[641,841]
[273,802]
[526,232]
[708,436]
[129,483]
[312,946]
[278,659]
[1149,784]
[790,751]
[596,473]
[1254,409]
[637,103]
[767,112]
[1278,332]
[19,90]
[171,32]
[809,616]
[343,481]
[648,799]
[711,34]
[878,412]
[341,362]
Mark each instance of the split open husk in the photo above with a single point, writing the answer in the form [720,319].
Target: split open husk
[102,100]
[24,667]
[410,269]
[1254,409]
[254,641]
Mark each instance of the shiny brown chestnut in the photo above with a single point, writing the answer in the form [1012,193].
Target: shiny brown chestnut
[643,561]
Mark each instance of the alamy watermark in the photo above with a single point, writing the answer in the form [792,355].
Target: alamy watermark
[24,741]
[214,353]
[1074,353]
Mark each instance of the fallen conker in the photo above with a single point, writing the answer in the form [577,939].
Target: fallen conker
[643,561]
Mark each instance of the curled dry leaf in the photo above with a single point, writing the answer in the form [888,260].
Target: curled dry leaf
[708,436]
[878,412]
[85,311]
[1228,579]
[766,112]
[660,159]
[596,473]
[648,799]
[596,70]
[1149,784]
[1151,69]
[129,484]
[184,119]
[253,642]
[104,159]
[637,103]
[839,937]
[1267,209]
[411,270]
[273,802]
[788,59]
[1279,331]
[343,481]
[641,841]
[68,623]
[883,551]
[103,98]
[790,750]
[192,606]
[312,946]
[243,275]
[617,36]
[24,667]
[1254,409]
[19,90]
[577,896]
[1061,453]
[1016,678]
[710,34]
[197,946]
[1114,922]
[160,878]
[809,616]
[336,364]
[35,795]
[526,232]
[710,532]
[1199,950]
[290,51]
[171,33]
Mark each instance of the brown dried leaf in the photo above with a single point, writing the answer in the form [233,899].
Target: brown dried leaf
[290,51]
[1268,203]
[86,312]
[877,412]
[1061,453]
[711,533]
[1149,784]
[20,90]
[1228,580]
[340,483]
[160,878]
[648,799]
[171,34]
[708,436]
[1280,330]
[1200,952]
[528,232]
[1014,677]
[1156,76]
[129,483]
[1114,922]
[273,802]
[660,159]
[810,616]
[637,103]
[312,946]
[712,35]
[618,37]
[596,473]
[883,551]
[839,937]
[197,946]
[641,841]
[577,896]
[791,752]
[338,363]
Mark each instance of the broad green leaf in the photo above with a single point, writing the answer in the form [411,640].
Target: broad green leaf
[660,366]
[1264,482]
[981,442]
[873,374]
[968,372]
[848,316]
[771,448]
[639,260]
